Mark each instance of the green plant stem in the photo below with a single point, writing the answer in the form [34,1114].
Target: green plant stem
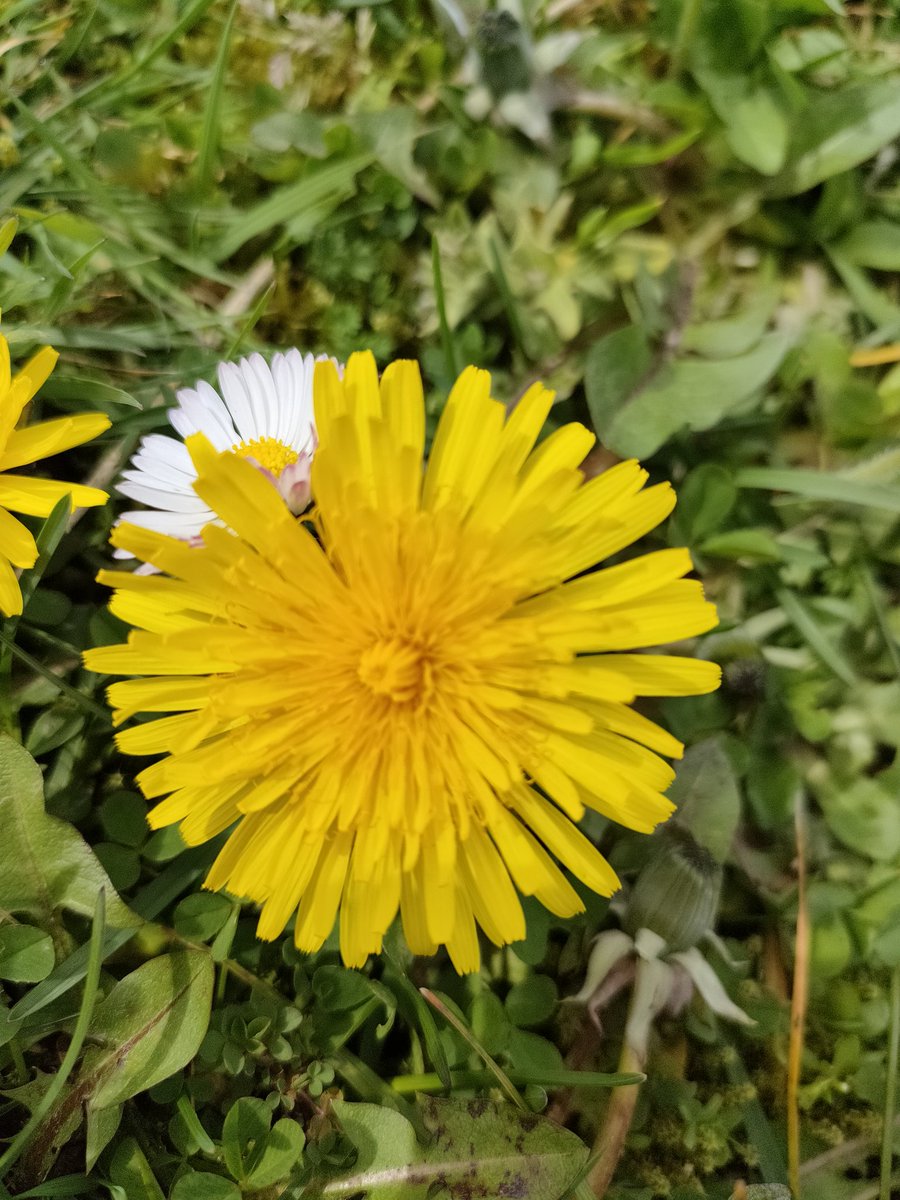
[890,1099]
[23,1137]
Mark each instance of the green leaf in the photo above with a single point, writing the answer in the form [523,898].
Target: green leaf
[102,1126]
[821,485]
[755,544]
[689,394]
[705,499]
[200,1185]
[615,366]
[45,864]
[874,244]
[257,1156]
[476,1148]
[532,1002]
[865,816]
[756,125]
[87,393]
[739,333]
[149,1026]
[26,954]
[706,795]
[7,233]
[200,916]
[131,1171]
[244,1135]
[839,130]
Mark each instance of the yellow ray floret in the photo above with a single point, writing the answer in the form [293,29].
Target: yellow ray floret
[405,703]
[20,447]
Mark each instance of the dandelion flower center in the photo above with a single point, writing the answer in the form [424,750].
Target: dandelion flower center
[397,669]
[269,453]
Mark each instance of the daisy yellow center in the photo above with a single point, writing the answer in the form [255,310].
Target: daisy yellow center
[271,454]
[395,668]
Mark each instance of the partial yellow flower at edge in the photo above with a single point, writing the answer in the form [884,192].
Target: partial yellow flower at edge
[410,707]
[22,446]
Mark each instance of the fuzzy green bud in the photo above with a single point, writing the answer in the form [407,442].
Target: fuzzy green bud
[677,893]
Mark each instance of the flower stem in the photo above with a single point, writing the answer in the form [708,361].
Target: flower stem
[651,988]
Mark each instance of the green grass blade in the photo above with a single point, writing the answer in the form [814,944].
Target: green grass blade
[209,140]
[812,633]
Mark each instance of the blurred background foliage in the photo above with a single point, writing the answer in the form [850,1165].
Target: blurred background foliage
[685,217]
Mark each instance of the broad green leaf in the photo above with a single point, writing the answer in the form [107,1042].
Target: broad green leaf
[615,366]
[150,1025]
[839,130]
[476,1148]
[200,1185]
[26,954]
[689,394]
[45,864]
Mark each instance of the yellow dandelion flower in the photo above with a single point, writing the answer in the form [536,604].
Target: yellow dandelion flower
[20,447]
[409,706]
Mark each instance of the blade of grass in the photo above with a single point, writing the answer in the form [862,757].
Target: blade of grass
[209,138]
[812,633]
[452,1019]
[821,485]
[447,343]
[109,89]
[92,978]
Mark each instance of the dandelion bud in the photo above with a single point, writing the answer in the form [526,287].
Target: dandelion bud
[677,892]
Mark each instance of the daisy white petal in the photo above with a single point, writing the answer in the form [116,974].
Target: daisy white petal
[264,414]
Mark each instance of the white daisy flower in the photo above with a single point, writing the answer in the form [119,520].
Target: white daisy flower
[263,413]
